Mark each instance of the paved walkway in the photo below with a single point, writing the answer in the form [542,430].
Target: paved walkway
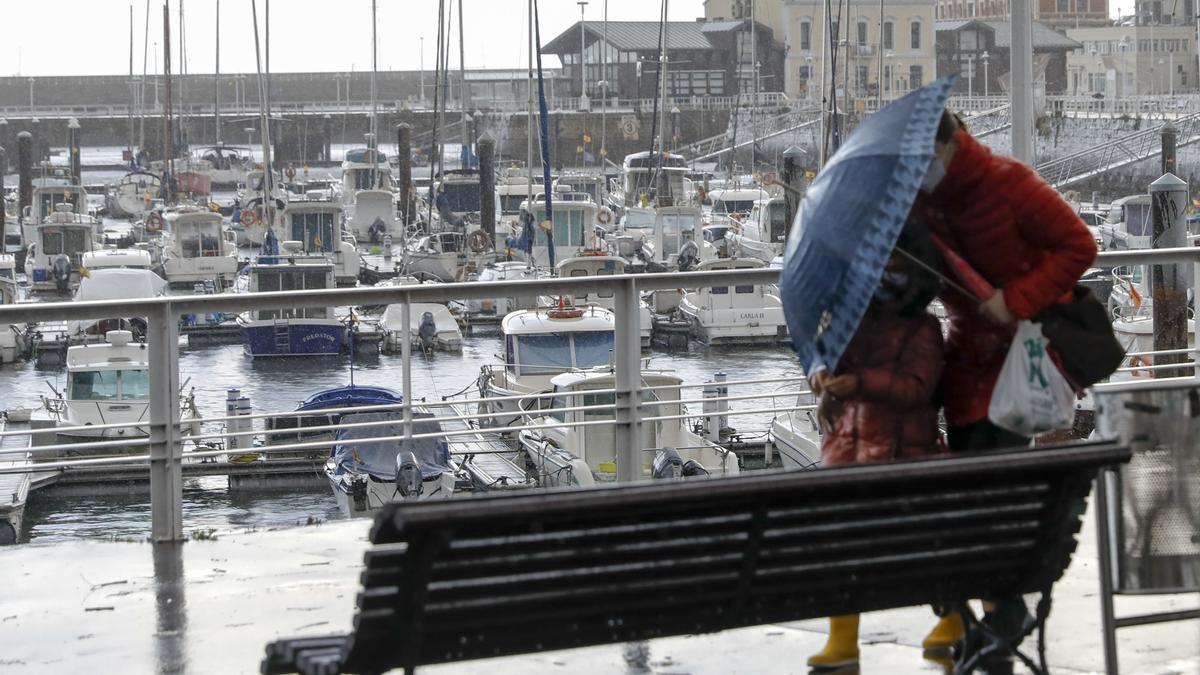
[211,606]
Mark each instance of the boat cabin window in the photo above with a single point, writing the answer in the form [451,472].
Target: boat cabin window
[289,279]
[6,273]
[47,200]
[69,240]
[744,289]
[315,229]
[200,239]
[367,179]
[569,226]
[777,223]
[674,228]
[462,197]
[719,290]
[558,353]
[556,407]
[1137,220]
[511,203]
[607,271]
[110,385]
[727,206]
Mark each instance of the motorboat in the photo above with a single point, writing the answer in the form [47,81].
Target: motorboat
[58,244]
[135,194]
[763,233]
[319,226]
[256,212]
[123,258]
[49,199]
[645,174]
[367,195]
[497,308]
[226,163]
[573,226]
[113,283]
[595,264]
[586,454]
[1129,224]
[796,434]
[292,331]
[744,313]
[324,409]
[538,345]
[195,250]
[590,184]
[107,383]
[11,335]
[456,198]
[439,256]
[431,328]
[366,474]
[512,189]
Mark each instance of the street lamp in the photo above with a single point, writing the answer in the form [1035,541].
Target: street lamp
[31,94]
[984,57]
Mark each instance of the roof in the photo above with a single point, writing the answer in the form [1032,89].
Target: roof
[1044,37]
[539,322]
[721,26]
[632,36]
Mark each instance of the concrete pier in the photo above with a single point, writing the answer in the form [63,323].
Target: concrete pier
[211,605]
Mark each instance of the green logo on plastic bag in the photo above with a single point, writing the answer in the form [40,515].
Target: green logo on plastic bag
[1036,351]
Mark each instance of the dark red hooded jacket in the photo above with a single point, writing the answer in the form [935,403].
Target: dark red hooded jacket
[893,415]
[1022,237]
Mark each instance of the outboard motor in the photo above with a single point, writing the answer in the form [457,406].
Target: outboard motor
[408,476]
[694,469]
[60,270]
[427,331]
[689,255]
[668,465]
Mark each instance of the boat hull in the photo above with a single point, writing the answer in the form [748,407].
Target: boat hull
[306,337]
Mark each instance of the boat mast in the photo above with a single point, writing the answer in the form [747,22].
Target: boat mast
[217,79]
[529,123]
[373,125]
[142,85]
[462,84]
[437,92]
[132,90]
[168,128]
[264,115]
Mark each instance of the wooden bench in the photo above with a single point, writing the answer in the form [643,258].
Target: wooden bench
[500,575]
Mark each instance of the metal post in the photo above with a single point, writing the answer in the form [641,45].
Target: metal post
[627,356]
[166,451]
[74,150]
[232,425]
[1021,67]
[1169,201]
[406,358]
[487,185]
[1108,620]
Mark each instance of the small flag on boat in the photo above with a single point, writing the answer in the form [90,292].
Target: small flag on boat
[587,138]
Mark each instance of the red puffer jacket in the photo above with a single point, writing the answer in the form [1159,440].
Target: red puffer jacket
[893,414]
[1021,236]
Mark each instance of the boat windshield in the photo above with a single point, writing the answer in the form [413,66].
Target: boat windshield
[47,200]
[552,354]
[1137,220]
[110,385]
[200,240]
[674,229]
[315,229]
[569,226]
[291,279]
[511,203]
[462,197]
[69,240]
[733,205]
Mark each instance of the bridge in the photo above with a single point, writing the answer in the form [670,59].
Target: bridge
[1116,153]
[757,130]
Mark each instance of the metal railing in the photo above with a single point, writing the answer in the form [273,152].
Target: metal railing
[1116,153]
[164,446]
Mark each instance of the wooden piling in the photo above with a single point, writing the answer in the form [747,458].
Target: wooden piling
[404,172]
[486,149]
[1168,210]
[793,178]
[25,173]
[74,150]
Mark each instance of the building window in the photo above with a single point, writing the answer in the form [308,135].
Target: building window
[914,29]
[860,79]
[1063,6]
[805,36]
[915,80]
[833,30]
[889,30]
[862,33]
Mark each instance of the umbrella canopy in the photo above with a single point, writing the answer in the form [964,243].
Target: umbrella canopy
[849,221]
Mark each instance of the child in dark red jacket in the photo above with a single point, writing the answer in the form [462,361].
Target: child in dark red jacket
[880,402]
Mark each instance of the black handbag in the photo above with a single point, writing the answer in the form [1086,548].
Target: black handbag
[1081,332]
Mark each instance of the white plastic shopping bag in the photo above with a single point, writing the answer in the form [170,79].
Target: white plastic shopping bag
[1031,395]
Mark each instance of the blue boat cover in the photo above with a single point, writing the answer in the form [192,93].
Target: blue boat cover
[352,395]
[355,452]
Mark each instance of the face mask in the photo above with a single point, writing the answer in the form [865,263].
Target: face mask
[934,175]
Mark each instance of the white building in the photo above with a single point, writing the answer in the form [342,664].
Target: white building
[1121,61]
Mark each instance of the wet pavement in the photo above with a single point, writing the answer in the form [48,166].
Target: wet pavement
[210,606]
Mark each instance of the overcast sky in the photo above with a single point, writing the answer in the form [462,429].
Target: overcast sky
[91,37]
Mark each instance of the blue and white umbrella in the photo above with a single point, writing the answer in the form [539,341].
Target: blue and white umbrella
[849,221]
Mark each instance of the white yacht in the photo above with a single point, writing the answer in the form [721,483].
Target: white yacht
[763,233]
[573,227]
[745,314]
[319,227]
[590,184]
[136,194]
[499,307]
[226,163]
[594,264]
[583,455]
[123,258]
[251,223]
[49,199]
[113,283]
[195,249]
[645,173]
[431,328]
[440,255]
[796,434]
[56,249]
[312,331]
[512,189]
[538,345]
[107,384]
[1129,224]
[367,195]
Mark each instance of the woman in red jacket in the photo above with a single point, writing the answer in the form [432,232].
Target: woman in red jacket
[1024,239]
[880,399]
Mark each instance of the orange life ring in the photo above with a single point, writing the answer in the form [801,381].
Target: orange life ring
[604,216]
[249,217]
[154,222]
[290,172]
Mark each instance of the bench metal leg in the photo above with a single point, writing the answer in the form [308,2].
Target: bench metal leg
[1104,543]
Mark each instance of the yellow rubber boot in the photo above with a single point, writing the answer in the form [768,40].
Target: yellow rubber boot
[949,630]
[841,649]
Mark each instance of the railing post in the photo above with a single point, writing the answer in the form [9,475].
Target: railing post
[627,353]
[166,449]
[406,376]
